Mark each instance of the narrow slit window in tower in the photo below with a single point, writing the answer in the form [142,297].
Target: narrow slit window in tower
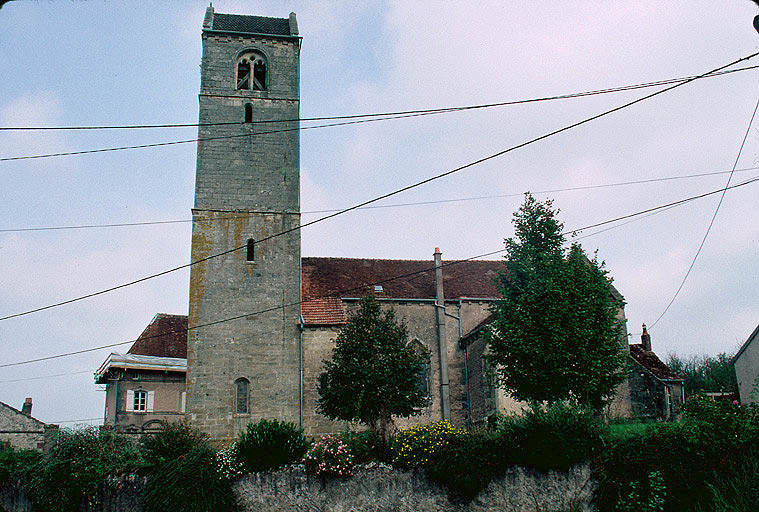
[250,254]
[248,113]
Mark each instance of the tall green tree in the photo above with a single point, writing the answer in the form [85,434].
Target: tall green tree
[706,373]
[555,335]
[374,373]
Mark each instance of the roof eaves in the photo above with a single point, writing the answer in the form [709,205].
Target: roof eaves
[745,345]
[257,34]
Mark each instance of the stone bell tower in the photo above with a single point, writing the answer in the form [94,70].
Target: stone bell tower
[246,190]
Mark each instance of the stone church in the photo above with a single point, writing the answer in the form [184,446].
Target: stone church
[262,318]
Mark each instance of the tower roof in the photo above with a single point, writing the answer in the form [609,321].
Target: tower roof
[244,24]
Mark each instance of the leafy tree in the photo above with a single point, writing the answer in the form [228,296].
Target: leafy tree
[555,335]
[374,373]
[704,374]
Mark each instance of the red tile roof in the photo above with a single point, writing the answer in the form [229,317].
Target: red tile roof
[347,277]
[652,363]
[327,311]
[165,336]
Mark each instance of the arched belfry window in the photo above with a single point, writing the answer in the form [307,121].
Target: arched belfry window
[251,71]
[241,396]
[248,113]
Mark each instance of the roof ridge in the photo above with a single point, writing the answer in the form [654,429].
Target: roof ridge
[21,413]
[393,259]
[249,16]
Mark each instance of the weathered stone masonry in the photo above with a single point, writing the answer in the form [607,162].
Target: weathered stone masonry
[247,187]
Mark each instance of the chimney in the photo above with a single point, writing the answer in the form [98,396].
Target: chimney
[445,404]
[293,24]
[208,19]
[645,339]
[27,407]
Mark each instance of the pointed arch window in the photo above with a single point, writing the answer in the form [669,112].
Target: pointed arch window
[251,71]
[241,395]
[423,378]
[248,113]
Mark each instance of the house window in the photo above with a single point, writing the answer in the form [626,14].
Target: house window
[251,72]
[248,113]
[241,396]
[140,400]
[423,377]
[250,250]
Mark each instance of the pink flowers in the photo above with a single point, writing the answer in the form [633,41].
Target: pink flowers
[329,456]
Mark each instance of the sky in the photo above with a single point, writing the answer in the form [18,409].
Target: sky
[104,63]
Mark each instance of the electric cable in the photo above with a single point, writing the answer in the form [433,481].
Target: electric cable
[364,286]
[385,196]
[711,222]
[382,114]
[382,206]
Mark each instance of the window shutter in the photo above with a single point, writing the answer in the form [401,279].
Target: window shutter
[130,400]
[151,398]
[184,400]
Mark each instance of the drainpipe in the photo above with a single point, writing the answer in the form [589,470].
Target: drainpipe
[466,369]
[116,402]
[301,327]
[445,401]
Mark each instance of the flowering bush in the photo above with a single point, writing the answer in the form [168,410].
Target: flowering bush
[416,446]
[329,456]
[228,462]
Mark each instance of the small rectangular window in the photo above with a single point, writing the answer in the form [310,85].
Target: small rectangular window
[378,288]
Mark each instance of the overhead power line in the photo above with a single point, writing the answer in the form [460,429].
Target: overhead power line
[45,377]
[714,216]
[365,286]
[361,118]
[595,92]
[381,206]
[385,196]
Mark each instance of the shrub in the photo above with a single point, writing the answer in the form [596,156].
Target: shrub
[329,456]
[689,455]
[554,438]
[270,444]
[416,446]
[737,491]
[365,446]
[15,463]
[170,442]
[71,473]
[190,483]
[728,417]
[650,499]
[468,463]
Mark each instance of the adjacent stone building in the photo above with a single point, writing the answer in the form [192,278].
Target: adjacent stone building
[656,392]
[21,430]
[261,317]
[746,364]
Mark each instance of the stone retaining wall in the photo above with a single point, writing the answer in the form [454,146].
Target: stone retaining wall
[377,488]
